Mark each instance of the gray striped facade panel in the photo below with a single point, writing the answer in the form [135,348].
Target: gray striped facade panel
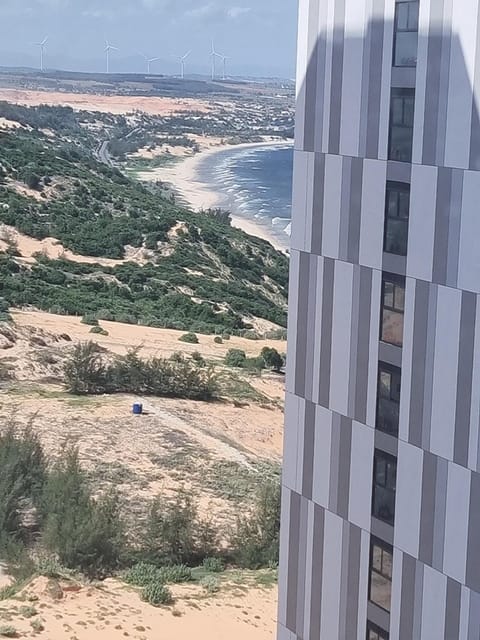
[341,169]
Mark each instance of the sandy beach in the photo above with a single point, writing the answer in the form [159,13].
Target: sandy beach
[183,176]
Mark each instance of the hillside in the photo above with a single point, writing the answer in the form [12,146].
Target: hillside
[125,252]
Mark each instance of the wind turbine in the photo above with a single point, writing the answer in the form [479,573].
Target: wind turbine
[214,55]
[224,60]
[109,47]
[42,50]
[183,63]
[148,61]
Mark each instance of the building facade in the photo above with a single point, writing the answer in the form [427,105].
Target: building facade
[381,496]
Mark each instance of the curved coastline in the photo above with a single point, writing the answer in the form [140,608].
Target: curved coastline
[185,179]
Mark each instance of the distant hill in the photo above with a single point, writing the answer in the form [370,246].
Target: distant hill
[127,252]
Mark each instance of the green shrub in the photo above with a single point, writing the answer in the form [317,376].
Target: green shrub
[90,319]
[48,566]
[225,335]
[22,476]
[214,565]
[87,373]
[156,594]
[7,631]
[84,371]
[254,364]
[37,625]
[272,358]
[218,340]
[142,574]
[235,358]
[84,533]
[198,359]
[175,535]
[211,584]
[256,539]
[28,611]
[190,338]
[251,335]
[176,574]
[99,330]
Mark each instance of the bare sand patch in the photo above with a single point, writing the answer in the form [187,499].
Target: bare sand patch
[161,342]
[112,611]
[105,104]
[53,249]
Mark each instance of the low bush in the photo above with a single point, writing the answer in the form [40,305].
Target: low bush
[213,565]
[7,631]
[99,330]
[86,373]
[156,594]
[176,574]
[226,335]
[142,574]
[273,360]
[90,319]
[218,340]
[211,584]
[37,625]
[190,338]
[256,539]
[198,359]
[235,358]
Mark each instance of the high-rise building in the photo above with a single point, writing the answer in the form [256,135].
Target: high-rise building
[381,497]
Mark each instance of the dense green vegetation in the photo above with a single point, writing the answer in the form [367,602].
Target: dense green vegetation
[202,274]
[88,372]
[75,530]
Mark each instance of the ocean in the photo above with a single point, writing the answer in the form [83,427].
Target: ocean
[255,183]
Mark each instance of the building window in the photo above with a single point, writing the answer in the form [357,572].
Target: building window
[384,486]
[397,208]
[402,108]
[406,34]
[380,578]
[388,398]
[375,633]
[393,309]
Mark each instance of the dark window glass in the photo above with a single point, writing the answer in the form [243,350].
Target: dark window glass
[406,34]
[384,482]
[388,401]
[393,305]
[375,633]
[402,110]
[397,208]
[380,579]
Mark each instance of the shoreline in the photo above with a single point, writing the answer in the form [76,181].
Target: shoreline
[183,177]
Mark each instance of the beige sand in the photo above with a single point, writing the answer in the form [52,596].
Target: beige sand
[183,176]
[162,342]
[114,611]
[53,248]
[104,104]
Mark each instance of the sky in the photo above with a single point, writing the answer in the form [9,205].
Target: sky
[258,36]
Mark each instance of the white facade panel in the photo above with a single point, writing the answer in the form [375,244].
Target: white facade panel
[456,523]
[409,498]
[322,458]
[332,205]
[434,598]
[341,337]
[469,261]
[360,503]
[331,584]
[421,225]
[444,398]
[373,214]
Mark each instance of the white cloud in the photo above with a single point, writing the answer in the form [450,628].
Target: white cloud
[236,12]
